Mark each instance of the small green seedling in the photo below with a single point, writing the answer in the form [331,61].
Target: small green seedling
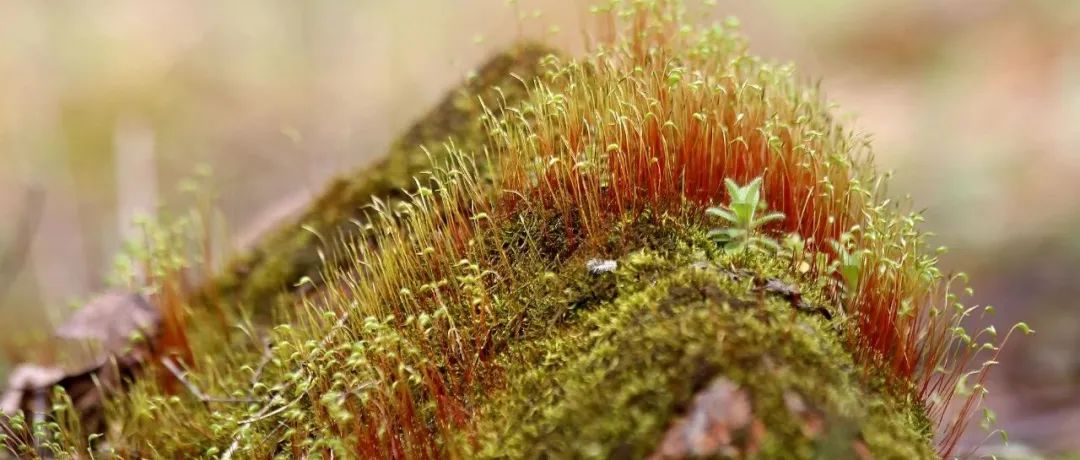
[848,263]
[745,215]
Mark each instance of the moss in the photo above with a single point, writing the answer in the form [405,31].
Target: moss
[463,321]
[610,385]
[264,277]
[593,365]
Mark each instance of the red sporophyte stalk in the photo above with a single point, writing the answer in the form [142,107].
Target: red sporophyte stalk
[659,120]
[655,123]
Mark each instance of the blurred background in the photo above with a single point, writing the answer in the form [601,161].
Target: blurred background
[105,106]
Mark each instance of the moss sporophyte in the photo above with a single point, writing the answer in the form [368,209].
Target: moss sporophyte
[665,248]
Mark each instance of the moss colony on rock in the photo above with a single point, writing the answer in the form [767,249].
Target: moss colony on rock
[530,274]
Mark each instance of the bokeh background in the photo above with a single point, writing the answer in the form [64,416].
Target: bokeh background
[106,106]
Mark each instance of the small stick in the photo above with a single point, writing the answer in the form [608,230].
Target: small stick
[266,357]
[40,401]
[180,376]
[265,412]
[274,412]
[232,448]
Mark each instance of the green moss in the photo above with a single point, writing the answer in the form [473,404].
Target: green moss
[441,334]
[267,275]
[593,365]
[611,384]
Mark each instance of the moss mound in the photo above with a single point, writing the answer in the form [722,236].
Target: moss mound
[611,384]
[267,276]
[530,273]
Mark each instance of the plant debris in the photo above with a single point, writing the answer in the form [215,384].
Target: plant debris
[105,326]
[601,266]
[719,422]
[112,319]
[813,424]
[792,294]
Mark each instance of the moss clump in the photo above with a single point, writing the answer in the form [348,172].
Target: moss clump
[611,384]
[267,275]
[461,317]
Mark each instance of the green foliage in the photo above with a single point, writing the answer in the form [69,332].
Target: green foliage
[745,214]
[266,277]
[675,322]
[848,263]
[439,305]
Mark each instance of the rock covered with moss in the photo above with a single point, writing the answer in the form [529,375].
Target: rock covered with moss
[543,280]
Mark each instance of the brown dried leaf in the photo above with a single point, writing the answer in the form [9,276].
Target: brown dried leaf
[716,417]
[792,294]
[104,326]
[785,290]
[112,319]
[27,378]
[812,423]
[861,450]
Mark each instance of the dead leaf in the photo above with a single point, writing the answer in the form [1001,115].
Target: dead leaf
[103,359]
[792,294]
[812,423]
[717,417]
[27,378]
[112,319]
[861,450]
[785,290]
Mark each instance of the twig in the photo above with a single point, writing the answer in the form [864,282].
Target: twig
[236,441]
[263,413]
[181,376]
[39,408]
[274,412]
[232,448]
[337,326]
[266,357]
